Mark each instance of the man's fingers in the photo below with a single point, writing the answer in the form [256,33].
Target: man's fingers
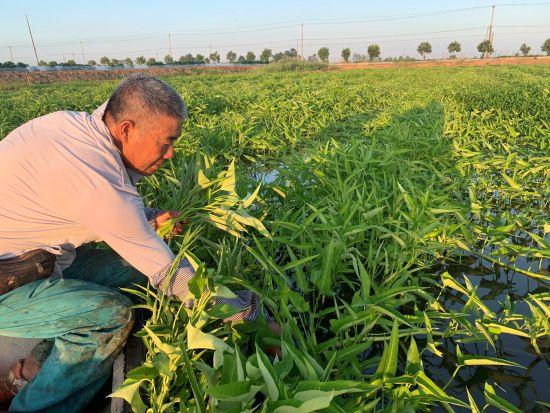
[174,214]
[178,228]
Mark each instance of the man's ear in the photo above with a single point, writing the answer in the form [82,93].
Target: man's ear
[126,129]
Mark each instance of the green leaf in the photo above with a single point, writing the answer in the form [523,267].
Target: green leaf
[268,373]
[414,363]
[391,359]
[429,387]
[203,181]
[224,292]
[197,284]
[497,401]
[237,391]
[164,347]
[196,339]
[472,360]
[312,400]
[511,182]
[145,371]
[129,391]
[336,386]
[228,182]
[473,405]
[249,199]
[387,366]
[221,311]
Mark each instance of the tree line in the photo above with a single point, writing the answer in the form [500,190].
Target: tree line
[267,56]
[425,48]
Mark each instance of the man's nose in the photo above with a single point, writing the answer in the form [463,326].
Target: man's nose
[169,153]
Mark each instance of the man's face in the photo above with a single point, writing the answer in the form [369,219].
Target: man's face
[148,145]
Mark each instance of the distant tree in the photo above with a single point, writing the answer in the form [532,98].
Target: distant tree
[546,46]
[241,59]
[115,62]
[323,53]
[199,58]
[207,60]
[71,62]
[485,48]
[128,62]
[187,59]
[151,61]
[92,62]
[21,64]
[424,48]
[524,49]
[168,59]
[454,47]
[278,56]
[266,55]
[105,61]
[52,63]
[374,52]
[214,57]
[250,56]
[231,56]
[140,60]
[8,65]
[292,52]
[359,58]
[345,54]
[313,58]
[42,63]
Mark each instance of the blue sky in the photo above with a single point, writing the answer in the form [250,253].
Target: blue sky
[132,28]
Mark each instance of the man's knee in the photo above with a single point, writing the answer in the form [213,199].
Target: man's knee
[117,310]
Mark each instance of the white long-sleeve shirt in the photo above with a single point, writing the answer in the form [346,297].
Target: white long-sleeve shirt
[63,183]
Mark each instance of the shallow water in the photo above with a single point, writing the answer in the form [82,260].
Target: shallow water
[522,387]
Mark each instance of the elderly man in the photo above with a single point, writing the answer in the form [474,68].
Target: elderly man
[68,179]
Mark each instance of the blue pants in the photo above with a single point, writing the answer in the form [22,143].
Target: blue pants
[88,320]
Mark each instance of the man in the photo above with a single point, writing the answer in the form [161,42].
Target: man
[67,179]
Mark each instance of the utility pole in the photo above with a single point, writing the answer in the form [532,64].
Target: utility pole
[169,44]
[32,40]
[297,54]
[302,35]
[11,54]
[490,33]
[82,50]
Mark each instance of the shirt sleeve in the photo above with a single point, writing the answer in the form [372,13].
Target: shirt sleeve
[118,217]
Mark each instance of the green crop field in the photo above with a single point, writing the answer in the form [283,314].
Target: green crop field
[394,223]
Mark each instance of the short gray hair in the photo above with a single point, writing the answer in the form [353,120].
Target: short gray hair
[139,97]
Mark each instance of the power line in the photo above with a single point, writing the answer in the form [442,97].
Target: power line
[282,25]
[288,43]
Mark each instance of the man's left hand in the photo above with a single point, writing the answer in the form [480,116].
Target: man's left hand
[166,216]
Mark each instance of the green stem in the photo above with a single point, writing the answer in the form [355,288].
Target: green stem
[199,397]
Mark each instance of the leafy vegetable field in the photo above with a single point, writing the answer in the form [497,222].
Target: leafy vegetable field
[393,222]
